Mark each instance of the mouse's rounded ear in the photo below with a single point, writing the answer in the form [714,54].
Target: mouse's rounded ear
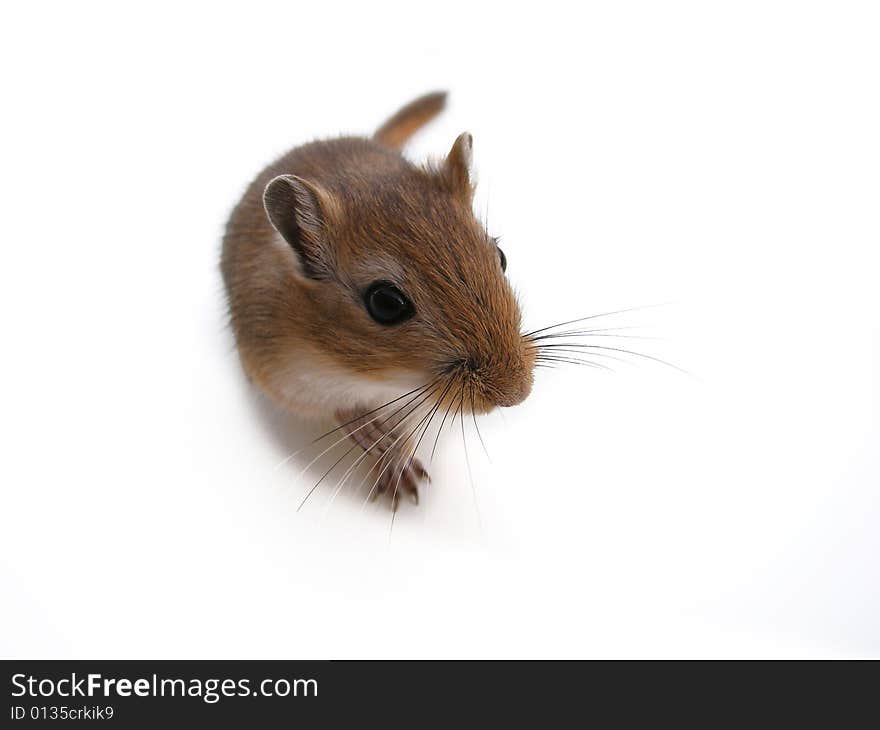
[456,169]
[298,210]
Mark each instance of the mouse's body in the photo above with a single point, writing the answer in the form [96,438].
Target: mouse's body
[355,277]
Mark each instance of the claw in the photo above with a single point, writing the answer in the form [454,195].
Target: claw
[399,471]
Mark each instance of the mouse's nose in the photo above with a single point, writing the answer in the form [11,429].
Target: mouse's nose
[503,381]
[515,393]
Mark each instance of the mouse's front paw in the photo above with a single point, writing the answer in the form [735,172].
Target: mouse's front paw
[396,481]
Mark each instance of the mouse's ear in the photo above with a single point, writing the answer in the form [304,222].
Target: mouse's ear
[456,169]
[297,209]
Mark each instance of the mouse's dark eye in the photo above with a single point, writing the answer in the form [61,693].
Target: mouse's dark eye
[503,260]
[387,304]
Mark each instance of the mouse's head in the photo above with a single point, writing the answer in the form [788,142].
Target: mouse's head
[400,279]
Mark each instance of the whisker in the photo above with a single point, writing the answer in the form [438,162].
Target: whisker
[440,430]
[389,455]
[562,357]
[354,465]
[382,436]
[324,476]
[567,349]
[405,464]
[594,316]
[628,352]
[467,461]
[589,333]
[363,425]
[393,515]
[576,361]
[616,328]
[419,440]
[341,483]
[357,418]
[476,426]
[355,445]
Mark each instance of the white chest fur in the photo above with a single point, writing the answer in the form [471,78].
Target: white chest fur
[318,390]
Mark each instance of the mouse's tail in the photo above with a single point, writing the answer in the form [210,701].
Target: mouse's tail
[408,120]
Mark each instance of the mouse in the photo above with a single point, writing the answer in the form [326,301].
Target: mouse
[363,290]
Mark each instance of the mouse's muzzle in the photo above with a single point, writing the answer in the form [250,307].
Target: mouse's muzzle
[498,379]
[516,394]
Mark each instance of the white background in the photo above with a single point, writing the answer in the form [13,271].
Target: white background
[719,157]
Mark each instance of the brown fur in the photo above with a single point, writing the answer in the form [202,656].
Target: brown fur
[406,122]
[355,211]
